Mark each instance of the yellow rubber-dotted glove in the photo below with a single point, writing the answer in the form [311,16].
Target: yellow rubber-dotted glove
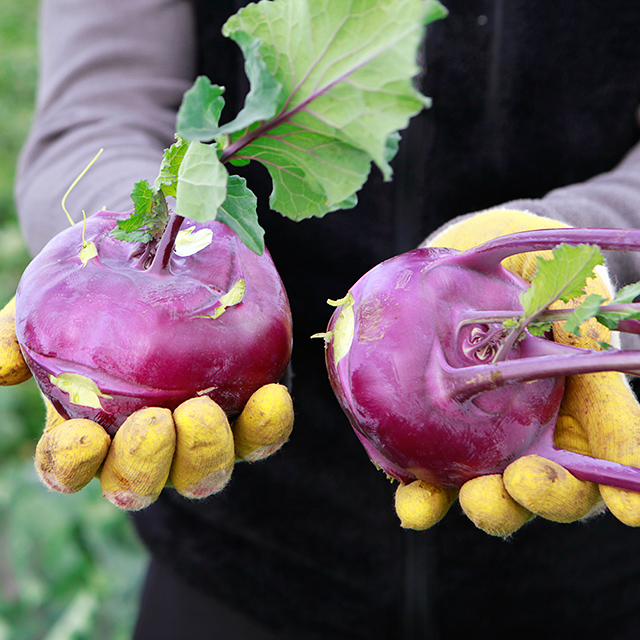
[599,416]
[193,448]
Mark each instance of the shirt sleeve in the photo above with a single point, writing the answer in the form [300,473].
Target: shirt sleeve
[609,200]
[112,76]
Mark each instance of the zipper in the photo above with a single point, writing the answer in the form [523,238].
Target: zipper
[492,99]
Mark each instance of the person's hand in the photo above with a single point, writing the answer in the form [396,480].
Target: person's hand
[194,448]
[599,416]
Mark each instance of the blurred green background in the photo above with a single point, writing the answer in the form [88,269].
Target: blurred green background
[70,566]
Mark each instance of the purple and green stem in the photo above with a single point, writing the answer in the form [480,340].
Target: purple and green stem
[546,359]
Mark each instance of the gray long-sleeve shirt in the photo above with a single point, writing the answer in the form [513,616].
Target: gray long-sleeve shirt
[112,75]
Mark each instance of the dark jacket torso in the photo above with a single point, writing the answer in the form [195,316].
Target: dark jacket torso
[527,96]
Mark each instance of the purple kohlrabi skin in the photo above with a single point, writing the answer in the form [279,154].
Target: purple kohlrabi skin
[148,337]
[393,344]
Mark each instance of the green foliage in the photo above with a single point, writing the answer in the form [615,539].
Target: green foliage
[18,72]
[562,278]
[627,294]
[202,183]
[167,179]
[200,110]
[346,69]
[331,85]
[588,309]
[72,565]
[133,229]
[240,212]
[622,307]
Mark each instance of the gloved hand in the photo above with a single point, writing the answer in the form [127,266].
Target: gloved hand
[193,448]
[599,416]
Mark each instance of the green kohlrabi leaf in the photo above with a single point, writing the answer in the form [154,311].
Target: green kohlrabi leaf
[539,328]
[610,315]
[203,98]
[266,94]
[346,68]
[239,211]
[627,294]
[167,179]
[587,310]
[202,183]
[312,173]
[200,111]
[392,146]
[611,318]
[134,228]
[562,278]
[331,86]
[137,235]
[143,198]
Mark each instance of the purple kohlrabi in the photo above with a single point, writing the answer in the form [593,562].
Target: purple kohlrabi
[414,364]
[115,328]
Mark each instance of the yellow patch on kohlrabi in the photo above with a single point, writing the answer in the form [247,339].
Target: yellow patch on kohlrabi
[82,390]
[343,330]
[233,297]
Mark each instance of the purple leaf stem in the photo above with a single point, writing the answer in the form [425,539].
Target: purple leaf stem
[466,382]
[555,315]
[165,246]
[490,254]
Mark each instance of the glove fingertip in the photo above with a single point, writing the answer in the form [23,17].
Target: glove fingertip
[265,424]
[69,455]
[204,457]
[129,500]
[623,504]
[549,490]
[13,368]
[212,483]
[137,465]
[420,505]
[486,502]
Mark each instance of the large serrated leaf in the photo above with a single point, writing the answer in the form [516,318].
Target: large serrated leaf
[347,69]
[331,86]
[312,174]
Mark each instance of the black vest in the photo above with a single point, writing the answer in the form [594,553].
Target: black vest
[527,96]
